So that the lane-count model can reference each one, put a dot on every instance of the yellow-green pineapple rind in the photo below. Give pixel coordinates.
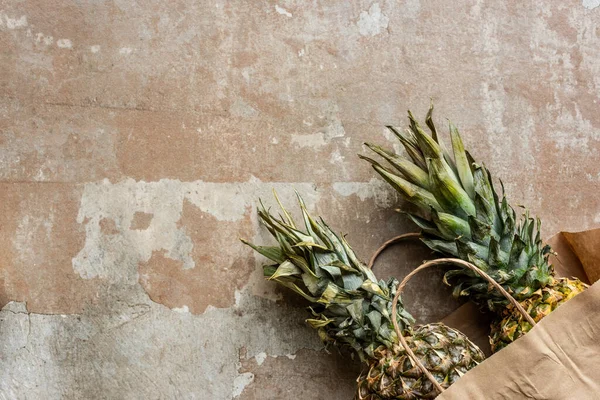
(510, 325)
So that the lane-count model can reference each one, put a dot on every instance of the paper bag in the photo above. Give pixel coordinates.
(560, 357)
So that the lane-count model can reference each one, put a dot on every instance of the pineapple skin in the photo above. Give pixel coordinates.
(510, 324)
(461, 215)
(351, 308)
(445, 352)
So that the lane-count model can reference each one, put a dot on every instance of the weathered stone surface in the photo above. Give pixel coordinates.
(312, 373)
(39, 235)
(136, 138)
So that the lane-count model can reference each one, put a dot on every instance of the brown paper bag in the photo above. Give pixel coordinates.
(560, 357)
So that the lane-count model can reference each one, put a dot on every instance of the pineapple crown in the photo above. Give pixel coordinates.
(349, 305)
(460, 214)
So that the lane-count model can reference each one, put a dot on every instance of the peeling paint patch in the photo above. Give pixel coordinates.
(125, 51)
(335, 129)
(183, 310)
(283, 11)
(336, 157)
(13, 23)
(242, 109)
(332, 128)
(574, 132)
(115, 258)
(312, 140)
(41, 38)
(108, 227)
(216, 276)
(260, 358)
(166, 235)
(64, 43)
(412, 8)
(240, 382)
(375, 189)
(95, 48)
(141, 220)
(372, 22)
(16, 307)
(591, 4)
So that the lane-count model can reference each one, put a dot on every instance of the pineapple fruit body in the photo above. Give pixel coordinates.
(509, 325)
(454, 202)
(351, 308)
(445, 352)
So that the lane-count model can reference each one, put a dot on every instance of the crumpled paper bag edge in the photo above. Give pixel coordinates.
(578, 255)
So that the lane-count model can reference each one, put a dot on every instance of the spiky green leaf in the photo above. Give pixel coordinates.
(462, 163)
(410, 171)
(273, 253)
(412, 193)
(448, 192)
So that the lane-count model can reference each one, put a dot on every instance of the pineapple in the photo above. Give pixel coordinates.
(460, 214)
(351, 308)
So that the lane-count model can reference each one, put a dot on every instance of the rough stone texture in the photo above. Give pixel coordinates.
(136, 137)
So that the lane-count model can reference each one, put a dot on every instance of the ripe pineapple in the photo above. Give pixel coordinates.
(351, 308)
(460, 214)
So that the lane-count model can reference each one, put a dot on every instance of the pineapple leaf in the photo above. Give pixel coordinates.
(412, 172)
(312, 284)
(335, 242)
(288, 217)
(286, 268)
(273, 253)
(301, 263)
(424, 225)
(311, 226)
(429, 121)
(480, 230)
(334, 272)
(296, 289)
(448, 192)
(269, 270)
(356, 262)
(426, 144)
(374, 288)
(438, 139)
(441, 246)
(319, 323)
(412, 193)
(462, 163)
(450, 226)
(311, 245)
(344, 267)
(484, 188)
(333, 294)
(352, 281)
(375, 317)
(411, 146)
(355, 309)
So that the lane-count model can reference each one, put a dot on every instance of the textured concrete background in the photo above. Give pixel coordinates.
(135, 138)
